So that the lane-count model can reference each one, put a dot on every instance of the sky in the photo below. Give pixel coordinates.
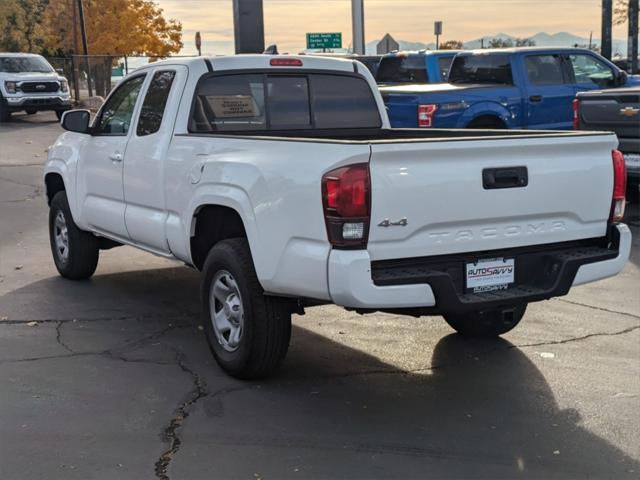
(287, 21)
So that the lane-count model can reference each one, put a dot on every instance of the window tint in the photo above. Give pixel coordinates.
(288, 102)
(444, 64)
(588, 69)
(230, 102)
(154, 103)
(481, 68)
(402, 69)
(343, 102)
(544, 69)
(116, 114)
(241, 103)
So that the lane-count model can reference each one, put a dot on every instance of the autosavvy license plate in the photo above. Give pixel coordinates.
(490, 274)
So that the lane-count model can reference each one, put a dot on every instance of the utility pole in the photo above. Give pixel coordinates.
(632, 50)
(85, 49)
(248, 26)
(607, 20)
(357, 23)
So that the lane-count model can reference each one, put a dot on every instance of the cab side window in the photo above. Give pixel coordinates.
(544, 69)
(155, 102)
(115, 116)
(588, 69)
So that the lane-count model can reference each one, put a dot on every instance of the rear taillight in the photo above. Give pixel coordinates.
(576, 114)
(619, 187)
(425, 115)
(346, 198)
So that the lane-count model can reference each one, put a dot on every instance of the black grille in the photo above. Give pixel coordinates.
(40, 87)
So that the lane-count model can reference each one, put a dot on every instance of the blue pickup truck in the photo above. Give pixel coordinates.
(423, 66)
(528, 87)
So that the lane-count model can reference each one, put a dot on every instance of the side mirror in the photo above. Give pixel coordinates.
(76, 121)
(622, 78)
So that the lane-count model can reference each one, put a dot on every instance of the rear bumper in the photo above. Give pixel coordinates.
(435, 285)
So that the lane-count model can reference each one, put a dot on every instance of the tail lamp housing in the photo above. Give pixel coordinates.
(425, 115)
(346, 200)
(576, 114)
(618, 201)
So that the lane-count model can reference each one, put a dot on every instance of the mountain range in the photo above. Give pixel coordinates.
(542, 39)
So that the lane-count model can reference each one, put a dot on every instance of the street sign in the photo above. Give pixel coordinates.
(437, 28)
(324, 40)
(386, 45)
(198, 42)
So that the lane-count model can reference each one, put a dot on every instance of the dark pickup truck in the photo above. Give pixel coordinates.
(616, 110)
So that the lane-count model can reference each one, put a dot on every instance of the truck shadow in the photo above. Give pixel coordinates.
(478, 409)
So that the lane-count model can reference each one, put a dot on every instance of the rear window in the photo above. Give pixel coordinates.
(544, 69)
(481, 69)
(402, 69)
(260, 102)
(444, 64)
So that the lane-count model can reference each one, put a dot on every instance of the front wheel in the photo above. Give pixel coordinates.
(491, 323)
(248, 332)
(59, 114)
(75, 252)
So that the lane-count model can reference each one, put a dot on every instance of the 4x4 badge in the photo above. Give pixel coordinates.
(388, 223)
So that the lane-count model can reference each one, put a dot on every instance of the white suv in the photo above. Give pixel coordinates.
(29, 83)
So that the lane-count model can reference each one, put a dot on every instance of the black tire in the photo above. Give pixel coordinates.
(5, 114)
(31, 112)
(491, 323)
(266, 321)
(59, 114)
(487, 122)
(81, 259)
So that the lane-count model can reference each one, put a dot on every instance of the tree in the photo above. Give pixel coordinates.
(451, 45)
(500, 43)
(525, 42)
(11, 26)
(114, 27)
(33, 11)
(620, 12)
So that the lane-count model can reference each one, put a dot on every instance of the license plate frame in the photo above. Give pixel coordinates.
(489, 274)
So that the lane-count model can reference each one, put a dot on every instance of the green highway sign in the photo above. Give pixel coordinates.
(324, 40)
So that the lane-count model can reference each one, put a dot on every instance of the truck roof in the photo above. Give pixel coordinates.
(421, 52)
(263, 61)
(523, 50)
(18, 54)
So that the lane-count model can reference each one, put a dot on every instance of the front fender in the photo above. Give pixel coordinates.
(483, 109)
(62, 159)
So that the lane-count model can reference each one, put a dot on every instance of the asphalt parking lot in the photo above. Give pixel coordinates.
(112, 378)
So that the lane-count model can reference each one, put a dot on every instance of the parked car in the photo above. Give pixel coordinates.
(617, 111)
(530, 87)
(279, 178)
(29, 83)
(424, 66)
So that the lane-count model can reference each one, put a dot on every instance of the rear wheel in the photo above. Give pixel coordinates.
(487, 122)
(491, 323)
(31, 112)
(248, 332)
(75, 252)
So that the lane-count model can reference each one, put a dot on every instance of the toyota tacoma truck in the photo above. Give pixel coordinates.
(279, 178)
(29, 83)
(528, 87)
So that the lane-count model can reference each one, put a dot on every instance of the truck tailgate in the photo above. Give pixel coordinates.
(429, 198)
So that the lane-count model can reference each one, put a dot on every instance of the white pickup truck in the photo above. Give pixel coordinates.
(29, 83)
(280, 179)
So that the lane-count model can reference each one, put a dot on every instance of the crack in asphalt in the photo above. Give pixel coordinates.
(579, 339)
(18, 321)
(170, 433)
(602, 309)
(59, 339)
(16, 182)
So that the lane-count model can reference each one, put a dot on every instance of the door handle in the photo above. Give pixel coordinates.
(510, 177)
(116, 157)
(535, 98)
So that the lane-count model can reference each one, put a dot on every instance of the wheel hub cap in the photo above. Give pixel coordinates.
(227, 313)
(61, 237)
